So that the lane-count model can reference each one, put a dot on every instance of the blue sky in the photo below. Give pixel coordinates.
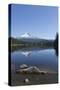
(39, 21)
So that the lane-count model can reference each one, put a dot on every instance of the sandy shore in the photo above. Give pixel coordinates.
(18, 79)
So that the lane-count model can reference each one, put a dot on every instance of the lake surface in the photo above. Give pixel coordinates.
(45, 59)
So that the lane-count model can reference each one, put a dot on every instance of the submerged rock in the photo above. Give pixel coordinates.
(43, 73)
(23, 66)
(30, 70)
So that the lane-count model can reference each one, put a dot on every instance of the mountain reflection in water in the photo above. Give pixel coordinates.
(28, 51)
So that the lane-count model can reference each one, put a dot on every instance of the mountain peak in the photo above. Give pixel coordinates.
(26, 35)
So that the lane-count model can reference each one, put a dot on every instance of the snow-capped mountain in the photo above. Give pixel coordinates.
(26, 35)
(27, 38)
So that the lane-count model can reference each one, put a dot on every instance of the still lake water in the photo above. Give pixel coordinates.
(45, 59)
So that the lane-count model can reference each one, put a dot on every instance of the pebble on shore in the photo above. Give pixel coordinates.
(26, 80)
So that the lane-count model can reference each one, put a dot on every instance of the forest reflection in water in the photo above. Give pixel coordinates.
(29, 49)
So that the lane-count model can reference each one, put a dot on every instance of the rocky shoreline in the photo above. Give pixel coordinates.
(25, 69)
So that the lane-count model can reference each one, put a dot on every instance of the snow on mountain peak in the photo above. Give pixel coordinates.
(26, 35)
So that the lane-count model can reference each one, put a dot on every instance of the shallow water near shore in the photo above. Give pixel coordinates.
(45, 60)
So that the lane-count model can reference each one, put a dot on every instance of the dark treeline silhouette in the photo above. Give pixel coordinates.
(16, 44)
(31, 42)
(56, 44)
